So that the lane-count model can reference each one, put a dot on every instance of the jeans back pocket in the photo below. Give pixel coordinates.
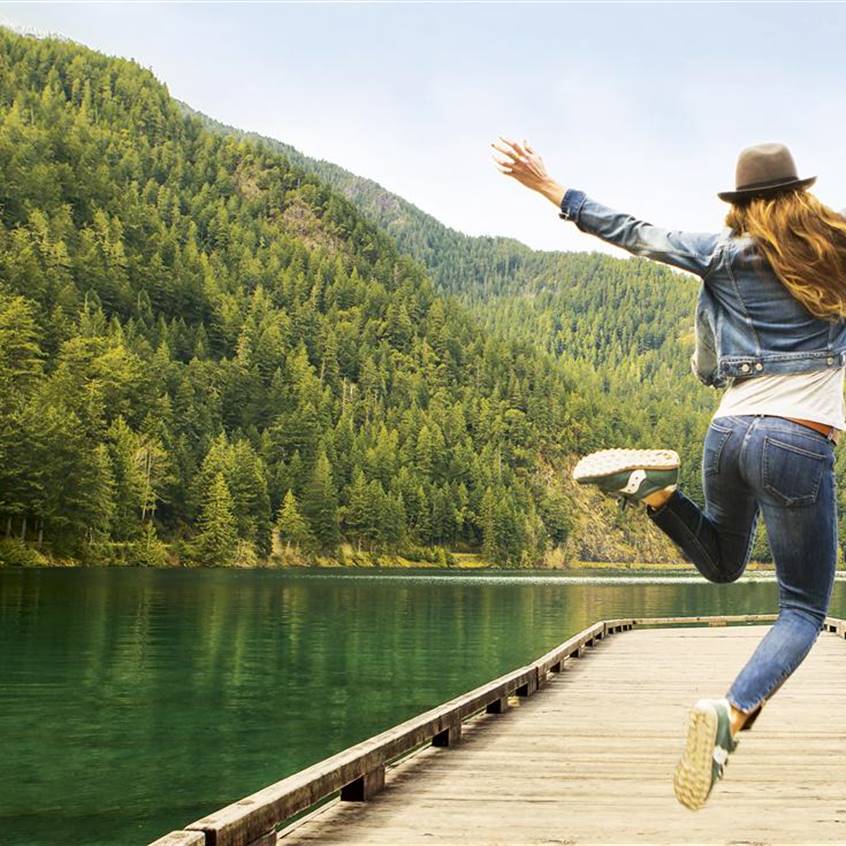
(792, 473)
(715, 440)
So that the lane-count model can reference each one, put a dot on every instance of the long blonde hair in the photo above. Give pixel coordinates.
(804, 242)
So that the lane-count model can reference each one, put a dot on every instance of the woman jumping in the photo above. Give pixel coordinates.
(770, 328)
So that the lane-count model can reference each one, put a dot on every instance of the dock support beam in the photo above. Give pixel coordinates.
(498, 706)
(449, 736)
(365, 786)
(528, 688)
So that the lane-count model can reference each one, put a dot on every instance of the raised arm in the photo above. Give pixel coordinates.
(691, 251)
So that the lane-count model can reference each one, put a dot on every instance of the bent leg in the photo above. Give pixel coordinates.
(799, 506)
(719, 539)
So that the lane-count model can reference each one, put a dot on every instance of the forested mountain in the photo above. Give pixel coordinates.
(214, 350)
(622, 328)
(203, 344)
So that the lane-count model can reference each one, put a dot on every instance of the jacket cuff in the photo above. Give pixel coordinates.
(571, 205)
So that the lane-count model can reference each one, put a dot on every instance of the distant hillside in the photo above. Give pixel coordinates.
(207, 354)
(622, 329)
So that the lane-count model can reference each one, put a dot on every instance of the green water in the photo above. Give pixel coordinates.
(135, 701)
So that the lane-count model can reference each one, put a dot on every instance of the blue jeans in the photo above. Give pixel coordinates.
(751, 465)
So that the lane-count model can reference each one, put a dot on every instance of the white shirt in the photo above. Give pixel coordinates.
(816, 396)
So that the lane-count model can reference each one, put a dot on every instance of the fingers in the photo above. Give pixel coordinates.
(505, 151)
(505, 167)
(517, 163)
(514, 146)
(514, 150)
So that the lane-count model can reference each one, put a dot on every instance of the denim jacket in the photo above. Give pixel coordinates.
(747, 322)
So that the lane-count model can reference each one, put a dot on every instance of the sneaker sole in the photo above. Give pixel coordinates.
(608, 462)
(692, 779)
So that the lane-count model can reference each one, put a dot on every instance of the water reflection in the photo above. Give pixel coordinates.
(135, 701)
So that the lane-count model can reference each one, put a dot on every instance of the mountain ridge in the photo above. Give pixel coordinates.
(208, 355)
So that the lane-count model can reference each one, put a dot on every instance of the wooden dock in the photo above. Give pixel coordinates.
(578, 747)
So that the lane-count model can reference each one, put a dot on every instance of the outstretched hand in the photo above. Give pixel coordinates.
(527, 167)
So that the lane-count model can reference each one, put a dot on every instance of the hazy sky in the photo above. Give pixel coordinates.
(644, 106)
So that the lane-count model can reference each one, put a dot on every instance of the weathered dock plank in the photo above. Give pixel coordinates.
(181, 838)
(590, 760)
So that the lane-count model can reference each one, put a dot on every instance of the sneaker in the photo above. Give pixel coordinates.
(630, 474)
(709, 743)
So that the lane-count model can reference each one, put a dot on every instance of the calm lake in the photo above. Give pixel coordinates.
(135, 701)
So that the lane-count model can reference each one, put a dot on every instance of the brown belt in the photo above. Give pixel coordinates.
(829, 431)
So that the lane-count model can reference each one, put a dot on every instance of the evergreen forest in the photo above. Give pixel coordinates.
(216, 351)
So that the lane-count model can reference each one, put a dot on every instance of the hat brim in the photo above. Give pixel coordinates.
(769, 191)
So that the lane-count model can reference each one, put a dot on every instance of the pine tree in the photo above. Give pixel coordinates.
(320, 504)
(128, 480)
(358, 513)
(393, 521)
(291, 526)
(20, 353)
(94, 503)
(490, 547)
(148, 550)
(215, 545)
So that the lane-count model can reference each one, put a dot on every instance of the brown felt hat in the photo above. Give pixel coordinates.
(764, 170)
